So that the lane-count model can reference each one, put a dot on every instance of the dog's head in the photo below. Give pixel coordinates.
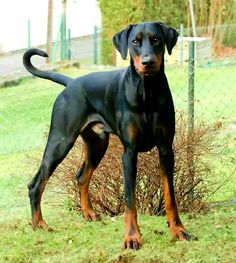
(146, 44)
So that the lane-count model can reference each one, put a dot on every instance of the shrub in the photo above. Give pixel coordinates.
(192, 169)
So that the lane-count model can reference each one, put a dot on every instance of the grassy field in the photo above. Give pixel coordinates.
(72, 240)
(24, 118)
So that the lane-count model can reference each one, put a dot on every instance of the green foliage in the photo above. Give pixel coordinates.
(113, 20)
(116, 15)
(217, 20)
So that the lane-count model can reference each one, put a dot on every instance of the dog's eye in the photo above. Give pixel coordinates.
(156, 40)
(136, 42)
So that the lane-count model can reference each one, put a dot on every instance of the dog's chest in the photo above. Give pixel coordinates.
(140, 129)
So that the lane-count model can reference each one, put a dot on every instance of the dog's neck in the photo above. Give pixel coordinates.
(143, 89)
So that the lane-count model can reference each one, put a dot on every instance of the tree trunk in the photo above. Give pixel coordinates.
(49, 29)
(212, 18)
(220, 33)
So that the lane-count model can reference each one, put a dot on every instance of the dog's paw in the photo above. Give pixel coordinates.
(179, 233)
(182, 235)
(132, 242)
(38, 224)
(89, 215)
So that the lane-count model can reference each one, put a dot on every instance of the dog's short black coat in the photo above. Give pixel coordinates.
(134, 103)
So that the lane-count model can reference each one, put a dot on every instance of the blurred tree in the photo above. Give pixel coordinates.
(117, 14)
(49, 29)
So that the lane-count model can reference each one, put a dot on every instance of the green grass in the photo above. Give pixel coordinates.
(73, 240)
(25, 110)
(24, 118)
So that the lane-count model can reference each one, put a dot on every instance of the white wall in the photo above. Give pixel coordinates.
(82, 15)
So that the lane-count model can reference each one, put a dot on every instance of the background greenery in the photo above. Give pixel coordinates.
(212, 19)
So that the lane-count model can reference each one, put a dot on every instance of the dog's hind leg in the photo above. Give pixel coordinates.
(95, 148)
(56, 150)
(65, 128)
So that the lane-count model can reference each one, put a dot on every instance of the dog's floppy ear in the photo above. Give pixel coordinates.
(120, 40)
(171, 36)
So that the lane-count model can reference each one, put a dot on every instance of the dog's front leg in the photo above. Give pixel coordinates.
(132, 235)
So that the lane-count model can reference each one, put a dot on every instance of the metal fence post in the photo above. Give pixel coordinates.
(55, 47)
(69, 45)
(63, 37)
(95, 53)
(29, 33)
(191, 85)
(181, 44)
(190, 149)
(63, 31)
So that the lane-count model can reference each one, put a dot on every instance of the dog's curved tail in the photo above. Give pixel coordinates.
(56, 77)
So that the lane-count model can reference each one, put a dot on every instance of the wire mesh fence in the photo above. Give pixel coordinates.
(206, 91)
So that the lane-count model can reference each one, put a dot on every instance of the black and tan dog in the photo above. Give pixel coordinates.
(135, 104)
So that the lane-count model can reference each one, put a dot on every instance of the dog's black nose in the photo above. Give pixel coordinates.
(147, 61)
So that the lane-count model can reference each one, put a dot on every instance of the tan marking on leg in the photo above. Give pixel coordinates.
(174, 222)
(86, 206)
(132, 234)
(132, 132)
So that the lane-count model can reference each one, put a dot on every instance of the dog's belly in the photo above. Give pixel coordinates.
(145, 147)
(145, 141)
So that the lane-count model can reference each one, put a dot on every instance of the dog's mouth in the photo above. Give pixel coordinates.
(147, 71)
